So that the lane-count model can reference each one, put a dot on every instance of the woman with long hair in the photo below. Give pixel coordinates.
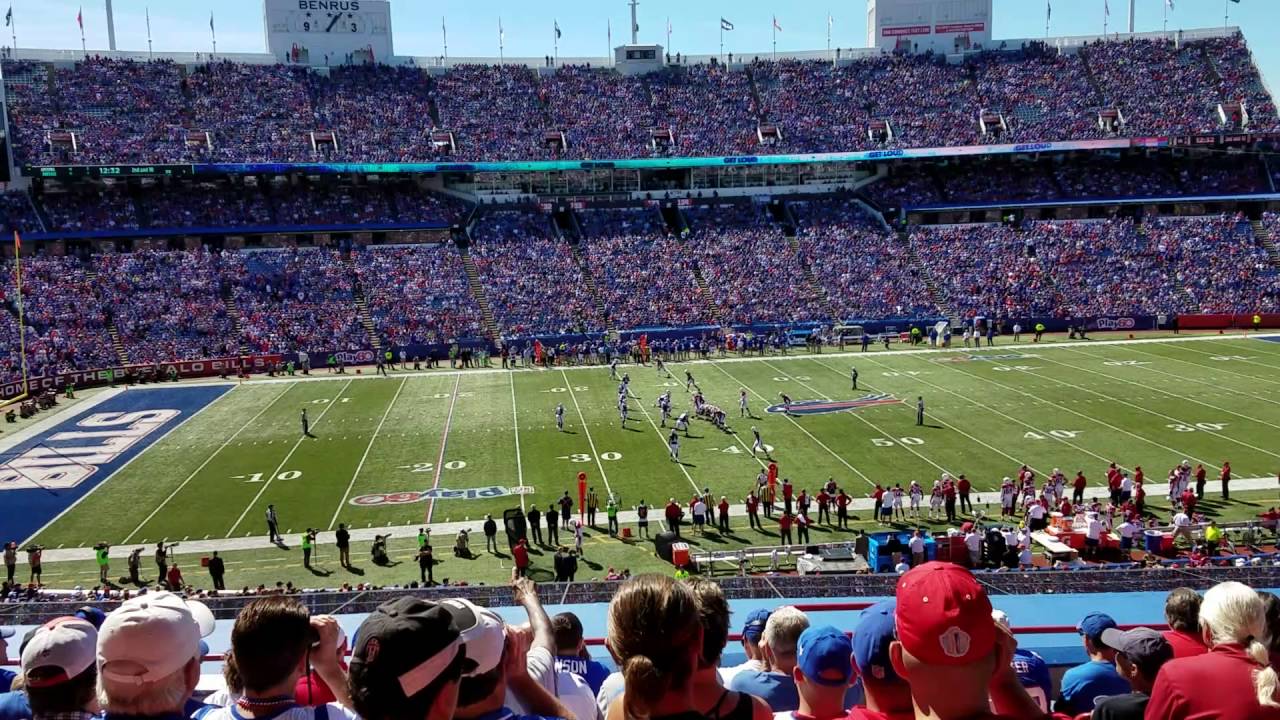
(1235, 679)
(655, 637)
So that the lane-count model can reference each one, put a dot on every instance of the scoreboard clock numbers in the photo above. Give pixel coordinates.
(318, 31)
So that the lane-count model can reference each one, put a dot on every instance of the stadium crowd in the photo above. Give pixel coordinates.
(156, 112)
(938, 650)
(752, 271)
(533, 282)
(864, 270)
(986, 270)
(418, 294)
(643, 277)
(269, 204)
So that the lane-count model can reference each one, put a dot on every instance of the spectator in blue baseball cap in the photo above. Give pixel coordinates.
(752, 631)
(1097, 677)
(888, 697)
(823, 673)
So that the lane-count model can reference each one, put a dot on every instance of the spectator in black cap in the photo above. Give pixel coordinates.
(408, 663)
(1140, 653)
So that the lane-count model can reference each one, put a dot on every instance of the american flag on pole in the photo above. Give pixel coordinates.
(776, 26)
(80, 18)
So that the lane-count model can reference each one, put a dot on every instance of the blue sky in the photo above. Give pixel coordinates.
(183, 25)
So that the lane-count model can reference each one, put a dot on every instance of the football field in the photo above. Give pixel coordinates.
(444, 447)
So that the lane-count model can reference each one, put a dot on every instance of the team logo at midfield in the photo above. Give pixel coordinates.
(822, 407)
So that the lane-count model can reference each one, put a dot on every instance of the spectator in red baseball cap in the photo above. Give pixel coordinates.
(950, 651)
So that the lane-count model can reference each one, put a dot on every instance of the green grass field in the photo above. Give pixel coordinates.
(1052, 405)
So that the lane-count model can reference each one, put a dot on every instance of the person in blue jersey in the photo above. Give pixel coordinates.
(571, 651)
(1095, 678)
(1032, 670)
(272, 641)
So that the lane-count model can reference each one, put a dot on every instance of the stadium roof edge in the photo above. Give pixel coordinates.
(1066, 42)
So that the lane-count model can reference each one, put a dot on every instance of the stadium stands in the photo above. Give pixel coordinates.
(167, 305)
(418, 294)
(752, 271)
(153, 112)
(865, 270)
(533, 281)
(644, 278)
(295, 299)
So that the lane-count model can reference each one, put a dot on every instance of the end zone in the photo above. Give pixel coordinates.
(45, 475)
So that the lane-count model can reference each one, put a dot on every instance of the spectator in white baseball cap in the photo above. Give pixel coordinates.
(59, 671)
(149, 655)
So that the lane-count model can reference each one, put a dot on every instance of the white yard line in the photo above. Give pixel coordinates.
(1268, 353)
(515, 421)
(444, 443)
(1149, 411)
(204, 464)
(1090, 418)
(280, 467)
(1215, 386)
(1216, 368)
(120, 469)
(802, 429)
(582, 418)
(346, 495)
(1002, 414)
(663, 439)
(1183, 378)
(870, 424)
(953, 427)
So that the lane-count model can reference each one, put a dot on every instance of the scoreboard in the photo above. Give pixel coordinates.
(942, 26)
(308, 31)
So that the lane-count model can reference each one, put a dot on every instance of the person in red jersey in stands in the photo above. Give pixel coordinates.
(1182, 613)
(1234, 680)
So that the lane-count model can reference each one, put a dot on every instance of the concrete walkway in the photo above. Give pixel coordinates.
(445, 532)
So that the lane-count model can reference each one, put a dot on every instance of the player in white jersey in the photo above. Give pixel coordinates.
(743, 410)
(673, 444)
(560, 417)
(899, 502)
(1008, 497)
(917, 495)
(935, 501)
(682, 423)
(622, 409)
(762, 479)
(758, 445)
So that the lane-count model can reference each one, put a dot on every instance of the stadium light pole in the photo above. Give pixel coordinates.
(111, 28)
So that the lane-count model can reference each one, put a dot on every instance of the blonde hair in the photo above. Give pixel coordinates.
(782, 631)
(654, 632)
(1232, 612)
(166, 695)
